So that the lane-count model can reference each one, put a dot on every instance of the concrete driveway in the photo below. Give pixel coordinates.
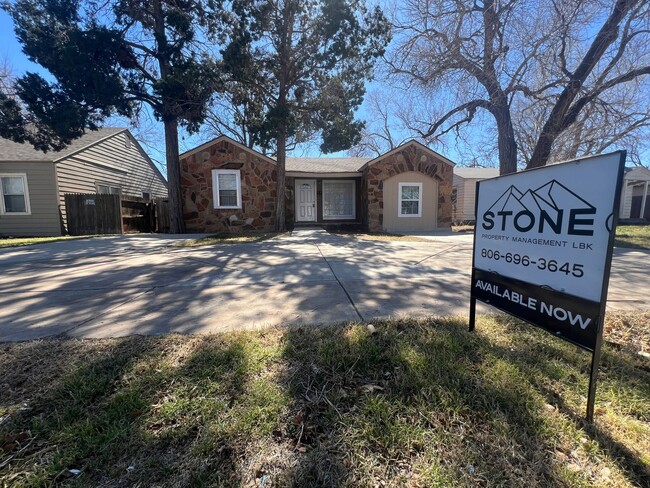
(116, 286)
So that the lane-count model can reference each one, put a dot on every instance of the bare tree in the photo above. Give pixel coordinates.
(7, 78)
(496, 55)
(387, 126)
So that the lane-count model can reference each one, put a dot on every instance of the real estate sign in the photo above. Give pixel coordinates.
(543, 244)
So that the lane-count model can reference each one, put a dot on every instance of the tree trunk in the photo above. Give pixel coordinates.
(280, 204)
(506, 139)
(177, 225)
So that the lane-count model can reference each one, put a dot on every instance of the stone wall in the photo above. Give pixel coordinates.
(411, 158)
(258, 182)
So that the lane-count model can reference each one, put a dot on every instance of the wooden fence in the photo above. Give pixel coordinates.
(91, 214)
(162, 215)
(138, 214)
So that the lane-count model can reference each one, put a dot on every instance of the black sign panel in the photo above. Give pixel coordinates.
(571, 318)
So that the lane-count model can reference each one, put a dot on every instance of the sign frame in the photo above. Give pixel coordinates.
(600, 318)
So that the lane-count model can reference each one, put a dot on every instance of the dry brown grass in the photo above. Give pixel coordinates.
(410, 403)
(629, 329)
(380, 236)
(226, 238)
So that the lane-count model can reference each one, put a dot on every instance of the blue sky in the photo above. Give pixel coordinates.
(149, 131)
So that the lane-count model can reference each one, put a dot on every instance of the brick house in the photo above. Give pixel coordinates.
(228, 187)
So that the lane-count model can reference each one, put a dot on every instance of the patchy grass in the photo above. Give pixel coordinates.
(629, 329)
(416, 403)
(465, 229)
(634, 236)
(226, 238)
(29, 241)
(380, 236)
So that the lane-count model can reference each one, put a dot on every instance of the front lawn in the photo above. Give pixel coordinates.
(28, 241)
(408, 403)
(380, 236)
(634, 236)
(227, 238)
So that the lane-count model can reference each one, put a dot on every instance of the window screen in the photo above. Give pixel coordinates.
(410, 199)
(338, 199)
(13, 194)
(227, 188)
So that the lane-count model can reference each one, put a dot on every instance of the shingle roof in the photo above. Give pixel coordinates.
(325, 165)
(476, 173)
(13, 151)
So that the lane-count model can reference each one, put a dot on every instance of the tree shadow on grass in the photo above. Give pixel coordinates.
(433, 405)
(129, 415)
(415, 403)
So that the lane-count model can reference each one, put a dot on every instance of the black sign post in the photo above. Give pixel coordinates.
(518, 234)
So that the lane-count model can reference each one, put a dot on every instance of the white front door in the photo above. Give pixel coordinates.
(305, 200)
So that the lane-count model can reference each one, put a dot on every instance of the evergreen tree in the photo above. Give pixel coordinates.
(112, 58)
(306, 62)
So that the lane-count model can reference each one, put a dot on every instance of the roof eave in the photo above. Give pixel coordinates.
(324, 174)
(94, 143)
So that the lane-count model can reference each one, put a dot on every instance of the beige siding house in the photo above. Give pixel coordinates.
(33, 184)
(464, 191)
(635, 194)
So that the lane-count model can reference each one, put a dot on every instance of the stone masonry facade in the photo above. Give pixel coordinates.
(411, 158)
(258, 186)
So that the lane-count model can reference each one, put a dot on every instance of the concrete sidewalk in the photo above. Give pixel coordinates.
(144, 285)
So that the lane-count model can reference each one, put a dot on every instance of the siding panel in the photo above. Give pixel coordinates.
(41, 184)
(109, 162)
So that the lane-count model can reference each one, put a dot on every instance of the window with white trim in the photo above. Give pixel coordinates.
(410, 200)
(338, 199)
(15, 195)
(108, 189)
(226, 188)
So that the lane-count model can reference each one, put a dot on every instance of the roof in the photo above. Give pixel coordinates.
(476, 173)
(14, 151)
(317, 165)
(325, 165)
(637, 173)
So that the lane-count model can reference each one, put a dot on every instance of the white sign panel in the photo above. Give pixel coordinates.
(550, 227)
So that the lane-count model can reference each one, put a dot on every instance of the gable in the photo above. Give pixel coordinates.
(413, 146)
(210, 146)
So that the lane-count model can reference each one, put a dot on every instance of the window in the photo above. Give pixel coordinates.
(15, 197)
(105, 189)
(226, 188)
(410, 200)
(338, 199)
(146, 195)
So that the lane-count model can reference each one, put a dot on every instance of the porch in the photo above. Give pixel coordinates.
(330, 203)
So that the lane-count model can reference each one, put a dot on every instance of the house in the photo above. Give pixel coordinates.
(228, 187)
(33, 183)
(464, 191)
(635, 194)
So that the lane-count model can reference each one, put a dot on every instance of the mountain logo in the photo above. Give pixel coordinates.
(551, 207)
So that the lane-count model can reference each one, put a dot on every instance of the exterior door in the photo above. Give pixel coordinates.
(305, 200)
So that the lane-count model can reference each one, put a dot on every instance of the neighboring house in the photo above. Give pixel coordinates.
(464, 191)
(33, 183)
(635, 194)
(228, 187)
